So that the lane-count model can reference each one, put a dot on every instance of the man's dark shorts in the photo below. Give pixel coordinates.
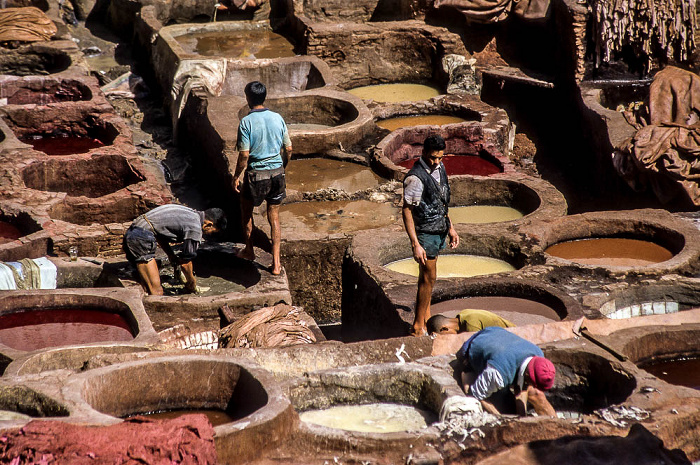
(269, 185)
(432, 243)
(139, 244)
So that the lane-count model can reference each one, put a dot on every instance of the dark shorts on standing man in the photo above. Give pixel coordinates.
(268, 185)
(139, 244)
(432, 243)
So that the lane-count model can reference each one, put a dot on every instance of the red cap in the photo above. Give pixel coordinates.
(541, 373)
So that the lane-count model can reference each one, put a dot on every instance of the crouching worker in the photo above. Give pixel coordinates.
(468, 320)
(494, 361)
(166, 225)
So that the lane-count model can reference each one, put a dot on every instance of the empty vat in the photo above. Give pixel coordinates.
(42, 91)
(651, 298)
(260, 416)
(94, 177)
(33, 60)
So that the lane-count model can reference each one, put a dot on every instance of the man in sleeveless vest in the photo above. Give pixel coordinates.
(426, 196)
(494, 361)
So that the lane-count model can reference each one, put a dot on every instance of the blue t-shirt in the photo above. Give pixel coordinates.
(263, 133)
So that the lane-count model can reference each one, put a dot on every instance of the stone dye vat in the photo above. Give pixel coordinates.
(467, 150)
(39, 58)
(378, 302)
(521, 301)
(478, 200)
(21, 235)
(398, 122)
(94, 177)
(224, 279)
(250, 44)
(673, 295)
(34, 320)
(43, 91)
(454, 266)
(653, 240)
(335, 217)
(313, 174)
(21, 403)
(379, 402)
(260, 415)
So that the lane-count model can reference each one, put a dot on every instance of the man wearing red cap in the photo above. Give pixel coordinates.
(494, 360)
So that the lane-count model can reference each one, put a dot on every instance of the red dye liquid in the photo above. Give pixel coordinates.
(8, 232)
(62, 144)
(215, 417)
(39, 329)
(463, 164)
(684, 372)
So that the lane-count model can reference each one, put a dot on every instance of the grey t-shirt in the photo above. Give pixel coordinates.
(175, 223)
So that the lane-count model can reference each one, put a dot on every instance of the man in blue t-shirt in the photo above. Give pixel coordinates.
(262, 139)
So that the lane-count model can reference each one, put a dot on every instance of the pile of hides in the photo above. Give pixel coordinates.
(276, 326)
(27, 24)
(492, 11)
(648, 26)
(664, 153)
(28, 273)
(188, 439)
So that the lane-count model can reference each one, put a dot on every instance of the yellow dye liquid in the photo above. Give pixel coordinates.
(455, 266)
(392, 124)
(476, 214)
(370, 418)
(396, 92)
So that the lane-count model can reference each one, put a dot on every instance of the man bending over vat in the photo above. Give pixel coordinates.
(494, 361)
(264, 147)
(426, 194)
(468, 320)
(166, 225)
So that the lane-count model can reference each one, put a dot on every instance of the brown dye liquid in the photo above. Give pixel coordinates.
(215, 417)
(610, 252)
(39, 329)
(392, 124)
(685, 372)
(63, 144)
(514, 309)
(253, 44)
(341, 216)
(396, 92)
(8, 232)
(312, 174)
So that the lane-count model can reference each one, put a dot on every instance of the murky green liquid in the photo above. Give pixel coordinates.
(253, 44)
(371, 418)
(455, 266)
(477, 214)
(393, 124)
(396, 92)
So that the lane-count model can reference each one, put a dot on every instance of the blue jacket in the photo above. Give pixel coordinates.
(501, 349)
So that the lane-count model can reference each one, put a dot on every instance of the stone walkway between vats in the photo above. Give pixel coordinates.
(449, 344)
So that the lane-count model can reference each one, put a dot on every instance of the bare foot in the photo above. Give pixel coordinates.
(276, 270)
(417, 332)
(246, 254)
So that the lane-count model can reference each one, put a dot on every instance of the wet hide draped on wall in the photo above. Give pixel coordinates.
(664, 153)
(492, 11)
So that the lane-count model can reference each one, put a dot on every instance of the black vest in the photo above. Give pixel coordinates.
(430, 215)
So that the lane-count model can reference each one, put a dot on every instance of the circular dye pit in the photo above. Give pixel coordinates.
(681, 372)
(246, 44)
(398, 122)
(9, 232)
(455, 266)
(338, 216)
(215, 417)
(463, 164)
(92, 178)
(608, 251)
(43, 91)
(517, 310)
(312, 174)
(62, 144)
(371, 418)
(480, 214)
(398, 92)
(39, 329)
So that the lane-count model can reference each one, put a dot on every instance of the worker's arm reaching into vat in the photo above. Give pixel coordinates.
(262, 140)
(426, 196)
(166, 225)
(495, 360)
